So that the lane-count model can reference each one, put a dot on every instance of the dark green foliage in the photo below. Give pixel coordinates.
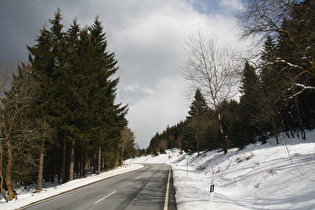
(162, 150)
(198, 106)
(233, 124)
(77, 95)
(249, 111)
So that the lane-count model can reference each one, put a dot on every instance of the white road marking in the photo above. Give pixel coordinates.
(137, 178)
(167, 189)
(104, 197)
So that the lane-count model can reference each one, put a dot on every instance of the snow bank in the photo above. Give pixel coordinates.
(265, 176)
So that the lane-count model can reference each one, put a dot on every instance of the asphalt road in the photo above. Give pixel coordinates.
(145, 188)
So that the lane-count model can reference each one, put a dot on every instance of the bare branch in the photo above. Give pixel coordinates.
(211, 67)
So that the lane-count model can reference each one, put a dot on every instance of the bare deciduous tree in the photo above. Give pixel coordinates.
(19, 134)
(5, 79)
(137, 147)
(266, 18)
(214, 69)
(127, 138)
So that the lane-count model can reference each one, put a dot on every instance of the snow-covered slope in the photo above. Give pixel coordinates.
(265, 176)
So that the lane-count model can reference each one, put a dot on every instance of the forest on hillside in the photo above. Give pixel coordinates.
(277, 86)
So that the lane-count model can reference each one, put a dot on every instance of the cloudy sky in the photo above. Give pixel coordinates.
(148, 39)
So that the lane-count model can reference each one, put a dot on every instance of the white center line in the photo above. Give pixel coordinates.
(137, 178)
(104, 197)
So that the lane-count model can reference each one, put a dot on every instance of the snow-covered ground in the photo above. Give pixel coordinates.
(265, 176)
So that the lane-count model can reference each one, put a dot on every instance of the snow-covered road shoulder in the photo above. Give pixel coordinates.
(25, 198)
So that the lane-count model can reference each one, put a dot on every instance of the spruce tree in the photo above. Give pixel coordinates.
(274, 84)
(198, 122)
(48, 60)
(109, 118)
(249, 101)
(199, 105)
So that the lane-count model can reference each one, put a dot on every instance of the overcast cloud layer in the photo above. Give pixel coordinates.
(147, 37)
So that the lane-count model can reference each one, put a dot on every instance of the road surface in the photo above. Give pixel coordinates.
(150, 187)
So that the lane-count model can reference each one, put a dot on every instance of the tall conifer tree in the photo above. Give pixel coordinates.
(199, 105)
(48, 60)
(198, 121)
(249, 101)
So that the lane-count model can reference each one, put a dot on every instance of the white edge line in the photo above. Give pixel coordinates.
(137, 178)
(104, 197)
(167, 189)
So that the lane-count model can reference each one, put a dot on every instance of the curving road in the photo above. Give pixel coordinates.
(150, 187)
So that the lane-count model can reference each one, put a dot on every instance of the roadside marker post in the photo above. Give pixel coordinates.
(187, 157)
(211, 190)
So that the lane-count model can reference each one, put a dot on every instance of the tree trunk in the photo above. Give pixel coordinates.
(300, 120)
(122, 154)
(99, 160)
(72, 160)
(40, 171)
(94, 162)
(274, 124)
(103, 163)
(53, 166)
(4, 195)
(1, 176)
(8, 170)
(85, 167)
(276, 136)
(198, 146)
(117, 159)
(223, 139)
(64, 156)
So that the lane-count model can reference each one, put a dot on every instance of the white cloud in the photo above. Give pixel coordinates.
(234, 5)
(156, 111)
